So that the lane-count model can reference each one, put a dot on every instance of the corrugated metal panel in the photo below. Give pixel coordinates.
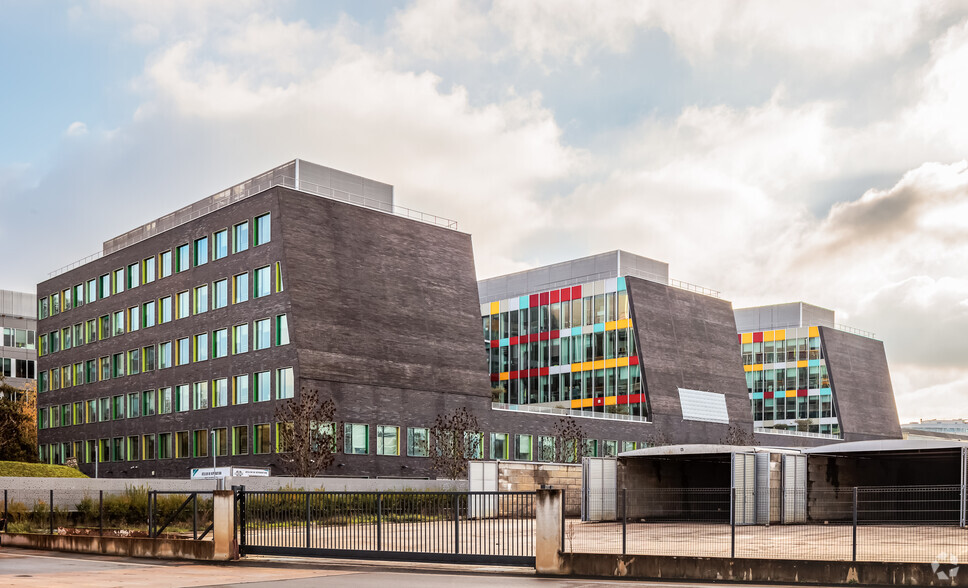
(598, 477)
(744, 485)
(482, 476)
(698, 405)
(762, 488)
(794, 489)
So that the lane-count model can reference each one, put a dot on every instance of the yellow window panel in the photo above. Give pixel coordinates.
(747, 368)
(801, 364)
(611, 325)
(814, 332)
(757, 367)
(791, 393)
(495, 307)
(621, 362)
(747, 337)
(623, 324)
(611, 400)
(599, 365)
(576, 367)
(609, 363)
(504, 375)
(767, 336)
(780, 335)
(576, 403)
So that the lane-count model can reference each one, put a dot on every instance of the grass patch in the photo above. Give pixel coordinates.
(19, 469)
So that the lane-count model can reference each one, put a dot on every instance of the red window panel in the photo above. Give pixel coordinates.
(739, 338)
(543, 371)
(767, 395)
(533, 372)
(494, 343)
(575, 292)
(599, 402)
(544, 336)
(757, 337)
(634, 360)
(533, 300)
(544, 298)
(513, 375)
(514, 340)
(554, 334)
(635, 398)
(554, 296)
(801, 393)
(495, 377)
(566, 294)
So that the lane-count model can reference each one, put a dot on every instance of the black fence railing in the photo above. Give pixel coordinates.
(135, 511)
(482, 527)
(897, 524)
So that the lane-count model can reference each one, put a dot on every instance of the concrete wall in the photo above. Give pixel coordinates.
(530, 476)
(120, 546)
(861, 382)
(687, 340)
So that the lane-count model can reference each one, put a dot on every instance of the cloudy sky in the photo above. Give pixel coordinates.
(774, 151)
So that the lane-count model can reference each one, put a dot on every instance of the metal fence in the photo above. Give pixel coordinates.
(896, 524)
(133, 512)
(479, 527)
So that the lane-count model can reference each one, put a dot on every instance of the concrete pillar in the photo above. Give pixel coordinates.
(226, 547)
(547, 533)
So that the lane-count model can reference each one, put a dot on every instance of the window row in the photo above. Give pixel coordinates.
(794, 408)
(178, 259)
(590, 384)
(565, 350)
(17, 368)
(19, 338)
(170, 399)
(258, 439)
(148, 314)
(813, 377)
(200, 347)
(587, 311)
(801, 349)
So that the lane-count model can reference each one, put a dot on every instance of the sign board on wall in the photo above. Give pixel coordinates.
(228, 472)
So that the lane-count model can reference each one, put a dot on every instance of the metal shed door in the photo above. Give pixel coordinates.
(598, 494)
(763, 495)
(482, 476)
(744, 484)
(794, 489)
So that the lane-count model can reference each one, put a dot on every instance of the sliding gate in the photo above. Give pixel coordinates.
(466, 527)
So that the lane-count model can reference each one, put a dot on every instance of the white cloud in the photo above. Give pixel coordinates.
(76, 129)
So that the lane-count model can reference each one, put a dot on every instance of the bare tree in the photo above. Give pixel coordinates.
(455, 438)
(736, 435)
(657, 439)
(308, 433)
(569, 441)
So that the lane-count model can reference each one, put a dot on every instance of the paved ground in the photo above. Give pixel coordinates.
(21, 567)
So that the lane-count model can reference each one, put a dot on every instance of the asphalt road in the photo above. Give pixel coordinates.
(28, 568)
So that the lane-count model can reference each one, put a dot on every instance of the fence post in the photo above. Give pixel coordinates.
(379, 521)
(564, 507)
(308, 517)
(51, 512)
(732, 523)
(548, 559)
(456, 523)
(241, 521)
(624, 519)
(6, 514)
(854, 541)
(195, 516)
(100, 513)
(151, 514)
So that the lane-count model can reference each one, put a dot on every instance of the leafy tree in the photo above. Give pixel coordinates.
(308, 435)
(569, 441)
(18, 423)
(455, 438)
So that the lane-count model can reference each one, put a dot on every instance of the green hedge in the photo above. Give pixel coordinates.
(19, 469)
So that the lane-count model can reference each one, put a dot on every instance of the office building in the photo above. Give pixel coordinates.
(18, 327)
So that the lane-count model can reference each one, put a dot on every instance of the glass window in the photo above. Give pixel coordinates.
(240, 339)
(473, 445)
(523, 450)
(356, 439)
(278, 277)
(262, 279)
(221, 248)
(261, 439)
(91, 294)
(134, 275)
(134, 318)
(148, 358)
(149, 314)
(182, 400)
(221, 442)
(240, 389)
(134, 405)
(117, 407)
(182, 306)
(117, 365)
(499, 446)
(285, 383)
(201, 347)
(182, 259)
(104, 286)
(164, 355)
(164, 312)
(240, 240)
(262, 391)
(165, 401)
(546, 448)
(183, 349)
(201, 299)
(78, 295)
(148, 267)
(262, 230)
(200, 395)
(182, 448)
(148, 402)
(118, 321)
(148, 447)
(282, 330)
(418, 442)
(118, 281)
(164, 445)
(240, 288)
(165, 264)
(201, 251)
(262, 335)
(221, 294)
(220, 392)
(387, 440)
(134, 362)
(240, 440)
(220, 343)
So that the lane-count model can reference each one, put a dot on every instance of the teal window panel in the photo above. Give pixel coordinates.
(523, 301)
(621, 283)
(575, 331)
(505, 342)
(757, 396)
(826, 391)
(600, 328)
(813, 363)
